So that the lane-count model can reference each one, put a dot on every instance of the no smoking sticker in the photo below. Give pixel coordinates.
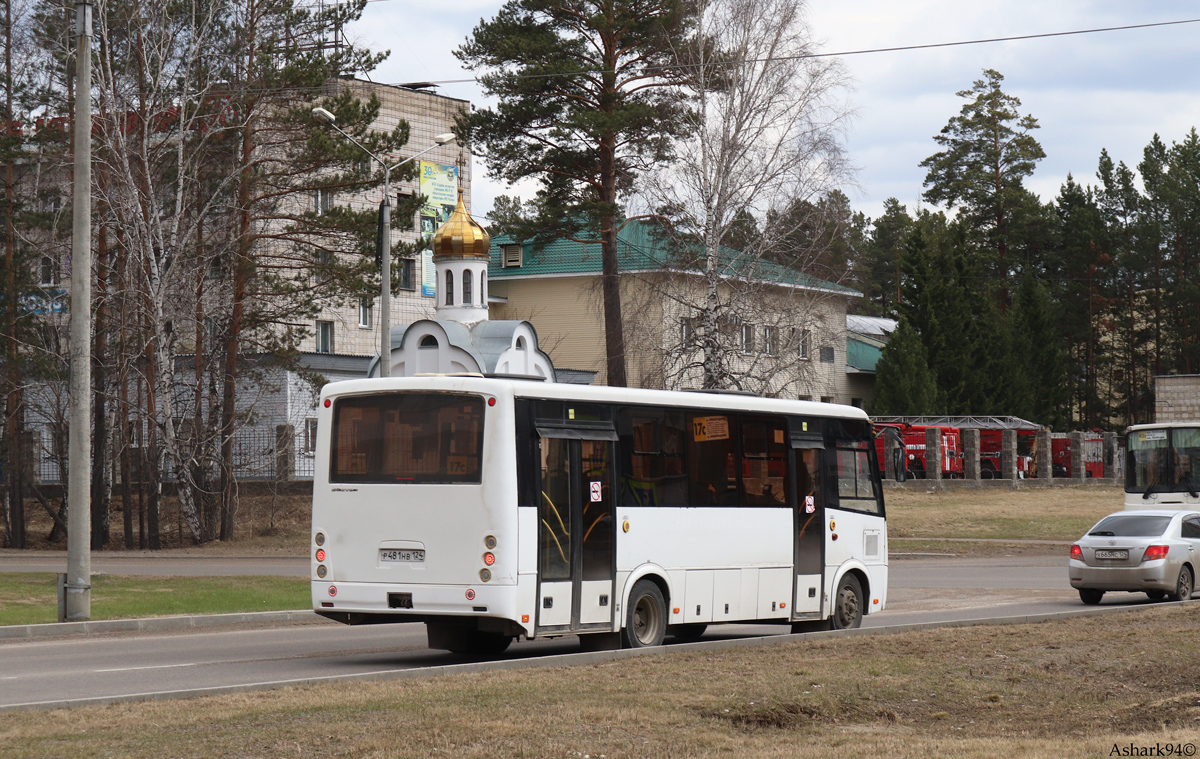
(810, 504)
(595, 491)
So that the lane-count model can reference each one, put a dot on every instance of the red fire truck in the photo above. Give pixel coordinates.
(913, 437)
(991, 435)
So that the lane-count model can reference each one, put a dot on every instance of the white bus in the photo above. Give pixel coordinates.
(496, 508)
(1162, 468)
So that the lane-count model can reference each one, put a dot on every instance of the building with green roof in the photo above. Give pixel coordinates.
(782, 331)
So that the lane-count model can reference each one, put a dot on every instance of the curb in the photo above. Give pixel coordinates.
(92, 627)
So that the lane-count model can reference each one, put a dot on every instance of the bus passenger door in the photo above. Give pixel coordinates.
(810, 533)
(576, 557)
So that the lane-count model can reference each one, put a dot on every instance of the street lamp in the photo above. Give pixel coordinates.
(324, 116)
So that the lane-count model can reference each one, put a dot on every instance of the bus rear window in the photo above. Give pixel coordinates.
(407, 438)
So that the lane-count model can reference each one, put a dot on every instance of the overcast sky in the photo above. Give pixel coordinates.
(1109, 90)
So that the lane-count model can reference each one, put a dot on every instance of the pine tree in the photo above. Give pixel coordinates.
(989, 149)
(904, 385)
(880, 273)
(588, 98)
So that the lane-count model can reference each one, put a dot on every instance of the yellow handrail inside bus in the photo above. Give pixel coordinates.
(550, 530)
(555, 508)
(589, 530)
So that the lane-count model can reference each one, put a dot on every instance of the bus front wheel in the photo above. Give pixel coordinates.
(646, 617)
(847, 604)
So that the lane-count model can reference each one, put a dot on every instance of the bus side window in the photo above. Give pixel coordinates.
(764, 462)
(652, 464)
(712, 460)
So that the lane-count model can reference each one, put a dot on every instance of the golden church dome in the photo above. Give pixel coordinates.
(461, 236)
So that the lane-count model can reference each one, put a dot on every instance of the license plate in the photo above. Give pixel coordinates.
(402, 554)
(1121, 554)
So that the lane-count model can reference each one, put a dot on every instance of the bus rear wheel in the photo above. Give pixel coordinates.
(847, 604)
(646, 617)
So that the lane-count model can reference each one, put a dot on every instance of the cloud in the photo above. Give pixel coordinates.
(1113, 89)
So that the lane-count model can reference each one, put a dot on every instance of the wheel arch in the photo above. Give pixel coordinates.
(859, 570)
(655, 574)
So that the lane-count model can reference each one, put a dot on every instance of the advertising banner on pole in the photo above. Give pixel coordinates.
(439, 185)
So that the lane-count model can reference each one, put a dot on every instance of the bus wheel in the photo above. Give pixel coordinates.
(646, 617)
(688, 632)
(847, 604)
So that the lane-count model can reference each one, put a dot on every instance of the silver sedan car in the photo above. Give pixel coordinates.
(1156, 552)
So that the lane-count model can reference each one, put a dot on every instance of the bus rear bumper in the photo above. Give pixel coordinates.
(373, 602)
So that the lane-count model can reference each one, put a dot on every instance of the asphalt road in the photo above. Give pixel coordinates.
(78, 669)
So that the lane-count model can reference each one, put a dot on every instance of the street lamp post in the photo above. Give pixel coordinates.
(324, 116)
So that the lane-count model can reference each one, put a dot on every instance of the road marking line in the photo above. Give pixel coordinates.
(156, 666)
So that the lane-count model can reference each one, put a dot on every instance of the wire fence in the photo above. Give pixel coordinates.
(258, 455)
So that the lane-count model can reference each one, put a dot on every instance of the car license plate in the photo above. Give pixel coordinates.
(402, 554)
(1104, 554)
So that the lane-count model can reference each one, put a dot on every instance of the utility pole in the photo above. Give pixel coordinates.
(78, 601)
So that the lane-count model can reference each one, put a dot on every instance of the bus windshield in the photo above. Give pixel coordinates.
(407, 438)
(1163, 460)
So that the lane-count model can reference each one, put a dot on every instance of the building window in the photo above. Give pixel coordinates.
(449, 288)
(310, 435)
(408, 268)
(805, 398)
(483, 288)
(46, 271)
(467, 299)
(324, 337)
(827, 355)
(826, 399)
(322, 201)
(511, 255)
(747, 338)
(364, 313)
(856, 402)
(804, 344)
(770, 341)
(687, 331)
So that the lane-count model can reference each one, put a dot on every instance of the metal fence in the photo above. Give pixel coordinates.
(258, 455)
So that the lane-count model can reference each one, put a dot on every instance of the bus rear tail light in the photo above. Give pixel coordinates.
(319, 539)
(322, 571)
(489, 558)
(320, 554)
(485, 575)
(1155, 552)
(1076, 552)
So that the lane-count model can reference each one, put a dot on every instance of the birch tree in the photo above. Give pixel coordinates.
(761, 147)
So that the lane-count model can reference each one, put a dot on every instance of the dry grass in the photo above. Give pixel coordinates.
(1066, 688)
(1041, 514)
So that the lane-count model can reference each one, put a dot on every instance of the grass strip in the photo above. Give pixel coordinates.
(1044, 514)
(31, 598)
(1074, 687)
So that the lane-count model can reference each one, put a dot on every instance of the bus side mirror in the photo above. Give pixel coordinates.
(900, 464)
